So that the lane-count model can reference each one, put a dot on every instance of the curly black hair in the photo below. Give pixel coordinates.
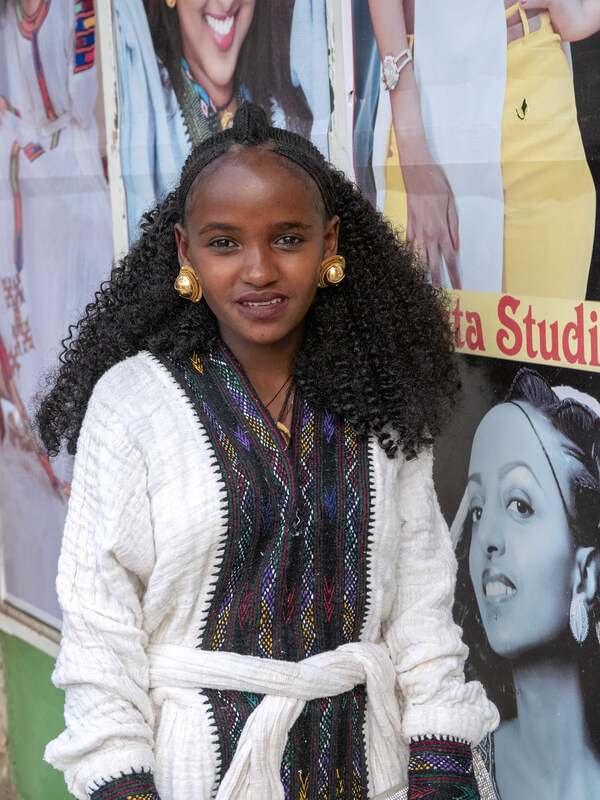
(581, 427)
(378, 348)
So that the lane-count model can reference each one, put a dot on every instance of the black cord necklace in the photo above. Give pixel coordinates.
(278, 392)
(224, 106)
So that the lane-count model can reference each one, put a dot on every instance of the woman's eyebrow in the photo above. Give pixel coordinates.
(217, 226)
(515, 465)
(475, 477)
(291, 224)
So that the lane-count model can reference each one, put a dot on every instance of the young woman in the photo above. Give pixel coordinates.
(529, 588)
(256, 580)
(184, 67)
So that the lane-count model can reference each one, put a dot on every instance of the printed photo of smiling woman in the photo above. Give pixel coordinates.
(185, 66)
(527, 590)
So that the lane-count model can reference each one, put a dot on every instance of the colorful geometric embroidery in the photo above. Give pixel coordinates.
(199, 111)
(85, 30)
(137, 786)
(29, 26)
(441, 769)
(232, 709)
(293, 577)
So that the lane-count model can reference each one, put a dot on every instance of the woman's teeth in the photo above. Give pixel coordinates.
(266, 303)
(220, 26)
(496, 588)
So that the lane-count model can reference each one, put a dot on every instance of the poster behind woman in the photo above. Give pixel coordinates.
(518, 475)
(476, 151)
(184, 66)
(480, 139)
(55, 248)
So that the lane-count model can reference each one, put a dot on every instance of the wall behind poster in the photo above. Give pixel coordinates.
(493, 175)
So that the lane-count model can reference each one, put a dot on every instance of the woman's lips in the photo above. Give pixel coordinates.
(496, 586)
(259, 306)
(222, 29)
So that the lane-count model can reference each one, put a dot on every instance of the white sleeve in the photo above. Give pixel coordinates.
(424, 641)
(106, 558)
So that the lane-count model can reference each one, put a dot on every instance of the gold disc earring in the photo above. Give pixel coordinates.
(332, 271)
(171, 3)
(187, 284)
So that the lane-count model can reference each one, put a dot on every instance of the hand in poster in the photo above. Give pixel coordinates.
(432, 223)
(572, 19)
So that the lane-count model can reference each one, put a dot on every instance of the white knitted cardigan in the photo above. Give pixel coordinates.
(141, 550)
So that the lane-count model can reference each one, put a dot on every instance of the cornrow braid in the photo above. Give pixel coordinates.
(251, 129)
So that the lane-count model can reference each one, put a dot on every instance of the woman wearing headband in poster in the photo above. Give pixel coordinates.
(184, 67)
(493, 172)
(528, 588)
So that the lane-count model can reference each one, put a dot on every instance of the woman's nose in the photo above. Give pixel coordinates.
(490, 534)
(223, 7)
(259, 268)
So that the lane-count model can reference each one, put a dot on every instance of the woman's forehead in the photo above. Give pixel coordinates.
(520, 433)
(261, 160)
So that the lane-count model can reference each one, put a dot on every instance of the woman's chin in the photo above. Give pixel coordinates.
(554, 648)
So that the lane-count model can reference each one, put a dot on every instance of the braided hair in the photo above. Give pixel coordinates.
(377, 349)
(581, 427)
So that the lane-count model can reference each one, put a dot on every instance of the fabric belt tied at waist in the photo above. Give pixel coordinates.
(254, 771)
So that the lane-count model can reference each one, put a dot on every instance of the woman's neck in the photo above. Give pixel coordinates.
(267, 367)
(548, 690)
(29, 6)
(218, 94)
(546, 750)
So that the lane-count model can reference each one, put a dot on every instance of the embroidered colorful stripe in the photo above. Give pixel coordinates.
(137, 786)
(85, 31)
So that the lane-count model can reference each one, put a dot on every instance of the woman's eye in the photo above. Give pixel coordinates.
(222, 243)
(521, 507)
(289, 240)
(476, 513)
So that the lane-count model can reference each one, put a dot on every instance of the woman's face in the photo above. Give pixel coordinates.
(522, 558)
(212, 33)
(257, 262)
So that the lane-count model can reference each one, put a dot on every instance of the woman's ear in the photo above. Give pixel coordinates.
(332, 230)
(182, 244)
(586, 572)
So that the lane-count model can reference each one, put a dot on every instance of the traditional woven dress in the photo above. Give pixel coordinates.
(248, 619)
